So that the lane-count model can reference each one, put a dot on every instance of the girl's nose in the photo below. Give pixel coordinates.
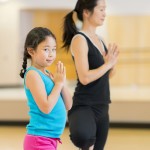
(50, 55)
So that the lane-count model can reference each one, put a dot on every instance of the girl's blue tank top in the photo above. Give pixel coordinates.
(48, 125)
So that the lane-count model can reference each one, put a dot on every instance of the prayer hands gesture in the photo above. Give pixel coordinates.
(111, 57)
(59, 76)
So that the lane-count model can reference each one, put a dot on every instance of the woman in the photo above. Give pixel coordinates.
(89, 118)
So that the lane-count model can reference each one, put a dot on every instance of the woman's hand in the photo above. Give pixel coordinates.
(111, 57)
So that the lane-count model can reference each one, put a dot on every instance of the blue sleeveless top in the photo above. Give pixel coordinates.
(48, 125)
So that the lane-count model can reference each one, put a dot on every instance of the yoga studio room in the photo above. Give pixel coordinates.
(60, 57)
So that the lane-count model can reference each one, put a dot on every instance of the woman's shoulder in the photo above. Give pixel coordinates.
(78, 42)
(79, 36)
(79, 39)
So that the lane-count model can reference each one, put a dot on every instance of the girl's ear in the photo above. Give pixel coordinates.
(30, 51)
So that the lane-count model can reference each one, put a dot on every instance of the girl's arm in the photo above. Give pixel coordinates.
(37, 88)
(65, 94)
(80, 51)
(67, 97)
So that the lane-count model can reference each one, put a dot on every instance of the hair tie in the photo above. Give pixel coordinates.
(23, 71)
(74, 10)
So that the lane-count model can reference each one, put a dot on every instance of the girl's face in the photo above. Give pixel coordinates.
(45, 53)
(98, 16)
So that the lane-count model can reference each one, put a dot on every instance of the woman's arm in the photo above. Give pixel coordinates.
(112, 72)
(80, 51)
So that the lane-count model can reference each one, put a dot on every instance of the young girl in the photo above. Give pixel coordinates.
(89, 117)
(47, 95)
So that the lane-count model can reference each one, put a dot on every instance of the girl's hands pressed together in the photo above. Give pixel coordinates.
(59, 77)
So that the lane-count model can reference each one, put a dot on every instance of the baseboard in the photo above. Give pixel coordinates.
(112, 125)
(129, 125)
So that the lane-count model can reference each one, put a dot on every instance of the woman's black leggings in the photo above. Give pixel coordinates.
(89, 126)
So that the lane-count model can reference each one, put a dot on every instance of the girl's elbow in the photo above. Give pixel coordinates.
(68, 106)
(46, 110)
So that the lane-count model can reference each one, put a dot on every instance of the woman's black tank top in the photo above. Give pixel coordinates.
(96, 92)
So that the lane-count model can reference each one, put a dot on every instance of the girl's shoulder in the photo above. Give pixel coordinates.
(31, 76)
(31, 70)
(34, 73)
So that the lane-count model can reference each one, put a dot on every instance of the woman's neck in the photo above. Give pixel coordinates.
(89, 30)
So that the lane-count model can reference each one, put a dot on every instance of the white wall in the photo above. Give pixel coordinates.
(113, 6)
(9, 40)
(10, 34)
(128, 7)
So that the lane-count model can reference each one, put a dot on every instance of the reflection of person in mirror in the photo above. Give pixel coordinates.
(94, 62)
(48, 97)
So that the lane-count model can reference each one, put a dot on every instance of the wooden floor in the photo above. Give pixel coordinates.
(11, 138)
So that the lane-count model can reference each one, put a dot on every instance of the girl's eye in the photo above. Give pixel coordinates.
(47, 50)
(53, 49)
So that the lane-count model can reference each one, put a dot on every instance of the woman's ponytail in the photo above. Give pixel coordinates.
(69, 29)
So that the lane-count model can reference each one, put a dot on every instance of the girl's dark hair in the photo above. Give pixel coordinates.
(33, 39)
(69, 27)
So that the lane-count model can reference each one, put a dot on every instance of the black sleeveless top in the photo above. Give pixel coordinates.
(96, 92)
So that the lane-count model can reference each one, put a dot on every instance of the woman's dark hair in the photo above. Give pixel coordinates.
(33, 39)
(69, 27)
